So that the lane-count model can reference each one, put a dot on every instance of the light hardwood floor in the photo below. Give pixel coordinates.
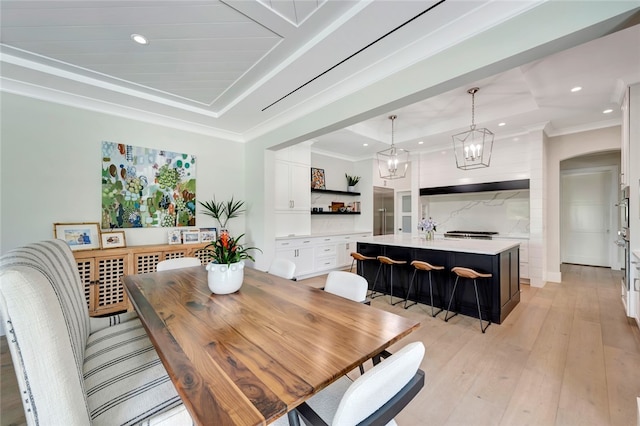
(567, 355)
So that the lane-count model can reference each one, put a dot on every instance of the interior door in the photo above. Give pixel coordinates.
(383, 211)
(404, 209)
(586, 204)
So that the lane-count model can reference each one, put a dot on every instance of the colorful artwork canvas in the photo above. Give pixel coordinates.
(144, 187)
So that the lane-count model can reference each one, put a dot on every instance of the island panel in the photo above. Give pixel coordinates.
(498, 294)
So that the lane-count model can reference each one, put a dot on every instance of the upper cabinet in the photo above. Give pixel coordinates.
(292, 187)
(292, 195)
(292, 177)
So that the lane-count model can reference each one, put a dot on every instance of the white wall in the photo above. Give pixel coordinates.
(51, 160)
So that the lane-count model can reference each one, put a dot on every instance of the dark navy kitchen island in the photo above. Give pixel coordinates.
(498, 294)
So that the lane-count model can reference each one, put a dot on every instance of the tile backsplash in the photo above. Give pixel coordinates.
(505, 212)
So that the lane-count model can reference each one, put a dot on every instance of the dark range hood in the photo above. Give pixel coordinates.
(507, 185)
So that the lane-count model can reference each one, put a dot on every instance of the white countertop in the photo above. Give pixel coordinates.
(323, 234)
(491, 247)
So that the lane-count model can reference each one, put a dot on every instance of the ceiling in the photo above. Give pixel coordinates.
(238, 69)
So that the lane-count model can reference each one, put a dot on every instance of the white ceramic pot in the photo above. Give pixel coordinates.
(225, 279)
(351, 188)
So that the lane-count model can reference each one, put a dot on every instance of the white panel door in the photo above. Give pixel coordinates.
(404, 207)
(586, 203)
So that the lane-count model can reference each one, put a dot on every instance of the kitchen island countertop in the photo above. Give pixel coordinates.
(462, 245)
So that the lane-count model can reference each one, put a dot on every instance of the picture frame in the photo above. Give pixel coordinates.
(190, 237)
(113, 239)
(79, 236)
(317, 178)
(174, 236)
(208, 235)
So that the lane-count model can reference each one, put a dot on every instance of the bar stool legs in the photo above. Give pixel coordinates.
(423, 266)
(384, 260)
(473, 275)
(358, 259)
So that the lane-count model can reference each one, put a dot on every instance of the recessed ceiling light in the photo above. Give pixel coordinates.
(502, 124)
(576, 89)
(607, 111)
(365, 144)
(516, 139)
(140, 39)
(420, 143)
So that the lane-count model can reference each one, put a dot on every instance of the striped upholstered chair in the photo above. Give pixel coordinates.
(73, 369)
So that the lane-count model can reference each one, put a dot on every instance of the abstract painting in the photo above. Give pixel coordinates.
(145, 187)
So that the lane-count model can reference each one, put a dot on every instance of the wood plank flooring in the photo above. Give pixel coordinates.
(567, 355)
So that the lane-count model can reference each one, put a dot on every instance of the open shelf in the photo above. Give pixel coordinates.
(331, 191)
(335, 212)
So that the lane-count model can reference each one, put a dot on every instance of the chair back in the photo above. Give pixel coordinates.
(371, 391)
(283, 268)
(347, 284)
(46, 320)
(177, 263)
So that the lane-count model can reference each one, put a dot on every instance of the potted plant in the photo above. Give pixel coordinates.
(352, 181)
(222, 211)
(226, 270)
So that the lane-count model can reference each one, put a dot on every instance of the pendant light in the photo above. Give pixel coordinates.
(393, 162)
(473, 147)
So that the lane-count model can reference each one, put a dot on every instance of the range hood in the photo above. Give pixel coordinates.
(507, 185)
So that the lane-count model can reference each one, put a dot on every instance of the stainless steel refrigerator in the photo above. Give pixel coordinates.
(383, 211)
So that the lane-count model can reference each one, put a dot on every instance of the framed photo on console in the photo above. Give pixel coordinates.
(208, 235)
(190, 237)
(174, 236)
(113, 239)
(79, 236)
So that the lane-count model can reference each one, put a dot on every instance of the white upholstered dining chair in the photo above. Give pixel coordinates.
(373, 398)
(177, 263)
(347, 284)
(283, 268)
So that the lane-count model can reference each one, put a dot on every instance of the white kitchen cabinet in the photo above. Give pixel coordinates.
(292, 192)
(524, 259)
(293, 188)
(320, 254)
(300, 252)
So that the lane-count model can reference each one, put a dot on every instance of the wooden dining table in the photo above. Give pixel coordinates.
(250, 357)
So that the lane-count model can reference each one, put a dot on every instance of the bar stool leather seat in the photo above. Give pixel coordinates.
(462, 272)
(385, 260)
(357, 257)
(420, 265)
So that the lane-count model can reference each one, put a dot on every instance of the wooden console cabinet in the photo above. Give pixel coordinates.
(101, 271)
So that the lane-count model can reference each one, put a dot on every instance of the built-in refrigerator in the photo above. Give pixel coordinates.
(383, 210)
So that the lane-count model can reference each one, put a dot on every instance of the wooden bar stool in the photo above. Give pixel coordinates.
(420, 265)
(357, 257)
(472, 275)
(387, 261)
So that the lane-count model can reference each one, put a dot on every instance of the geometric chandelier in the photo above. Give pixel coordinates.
(473, 147)
(393, 162)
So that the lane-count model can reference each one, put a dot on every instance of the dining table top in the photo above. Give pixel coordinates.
(249, 357)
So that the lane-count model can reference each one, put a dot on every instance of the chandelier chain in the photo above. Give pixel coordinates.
(392, 118)
(472, 92)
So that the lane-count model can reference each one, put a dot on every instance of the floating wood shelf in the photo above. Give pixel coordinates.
(331, 191)
(323, 212)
